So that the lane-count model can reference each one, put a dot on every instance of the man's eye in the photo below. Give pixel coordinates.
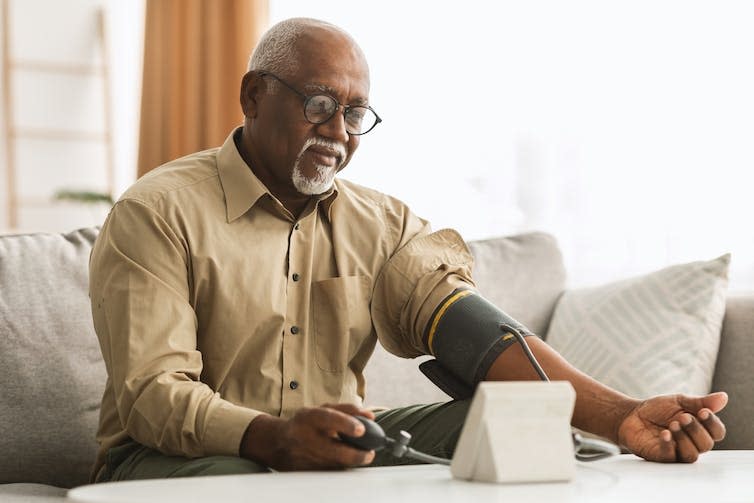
(320, 105)
(355, 115)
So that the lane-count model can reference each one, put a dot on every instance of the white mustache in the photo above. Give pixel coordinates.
(337, 148)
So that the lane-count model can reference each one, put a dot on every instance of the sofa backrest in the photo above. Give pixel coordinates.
(523, 275)
(732, 372)
(52, 374)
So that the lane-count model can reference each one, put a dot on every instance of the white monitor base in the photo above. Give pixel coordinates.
(517, 432)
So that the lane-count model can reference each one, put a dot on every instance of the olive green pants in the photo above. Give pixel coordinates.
(434, 429)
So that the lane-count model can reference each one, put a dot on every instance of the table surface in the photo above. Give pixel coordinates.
(717, 476)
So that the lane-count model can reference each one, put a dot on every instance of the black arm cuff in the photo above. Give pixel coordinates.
(466, 334)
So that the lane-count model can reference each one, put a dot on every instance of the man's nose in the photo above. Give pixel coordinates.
(335, 128)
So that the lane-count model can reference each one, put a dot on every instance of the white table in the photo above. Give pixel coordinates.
(717, 476)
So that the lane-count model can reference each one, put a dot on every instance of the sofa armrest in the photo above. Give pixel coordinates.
(733, 371)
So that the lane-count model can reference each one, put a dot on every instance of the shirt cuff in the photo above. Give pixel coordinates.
(226, 427)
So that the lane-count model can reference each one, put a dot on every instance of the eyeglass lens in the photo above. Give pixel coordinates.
(319, 108)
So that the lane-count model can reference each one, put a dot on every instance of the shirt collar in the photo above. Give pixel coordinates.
(327, 201)
(241, 186)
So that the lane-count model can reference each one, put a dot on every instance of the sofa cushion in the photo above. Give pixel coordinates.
(523, 275)
(649, 335)
(734, 363)
(52, 375)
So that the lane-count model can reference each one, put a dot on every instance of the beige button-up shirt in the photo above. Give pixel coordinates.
(214, 304)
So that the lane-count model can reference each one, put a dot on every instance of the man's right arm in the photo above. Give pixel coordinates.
(139, 288)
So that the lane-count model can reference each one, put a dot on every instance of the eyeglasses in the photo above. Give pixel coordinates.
(320, 108)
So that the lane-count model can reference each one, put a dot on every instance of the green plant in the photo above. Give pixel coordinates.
(84, 196)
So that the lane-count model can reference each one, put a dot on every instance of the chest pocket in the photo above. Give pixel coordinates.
(342, 321)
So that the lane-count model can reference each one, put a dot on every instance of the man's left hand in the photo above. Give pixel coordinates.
(673, 428)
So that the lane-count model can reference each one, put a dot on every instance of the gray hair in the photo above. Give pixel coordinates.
(276, 50)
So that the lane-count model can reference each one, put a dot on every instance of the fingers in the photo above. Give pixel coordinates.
(685, 450)
(682, 427)
(691, 438)
(696, 432)
(667, 447)
(712, 424)
(694, 436)
(313, 439)
(331, 420)
(714, 402)
(351, 410)
(308, 440)
(345, 455)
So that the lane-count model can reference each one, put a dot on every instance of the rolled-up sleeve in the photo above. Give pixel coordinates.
(140, 291)
(411, 285)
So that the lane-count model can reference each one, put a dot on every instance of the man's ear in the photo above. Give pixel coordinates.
(250, 93)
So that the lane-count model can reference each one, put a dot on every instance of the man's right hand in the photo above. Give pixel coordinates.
(308, 440)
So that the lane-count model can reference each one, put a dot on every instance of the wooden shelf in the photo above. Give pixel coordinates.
(57, 68)
(36, 202)
(13, 132)
(60, 134)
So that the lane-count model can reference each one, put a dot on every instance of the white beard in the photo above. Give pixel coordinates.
(325, 176)
(320, 184)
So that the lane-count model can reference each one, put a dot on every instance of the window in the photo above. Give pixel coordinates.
(624, 128)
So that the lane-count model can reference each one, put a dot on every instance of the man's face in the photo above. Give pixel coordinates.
(296, 153)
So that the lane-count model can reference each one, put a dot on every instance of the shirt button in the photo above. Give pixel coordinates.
(296, 276)
(293, 384)
(294, 329)
(295, 227)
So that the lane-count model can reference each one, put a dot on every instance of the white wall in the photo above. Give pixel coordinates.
(127, 43)
(622, 127)
(51, 31)
(625, 128)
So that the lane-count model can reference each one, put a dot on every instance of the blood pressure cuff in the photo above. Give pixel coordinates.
(466, 334)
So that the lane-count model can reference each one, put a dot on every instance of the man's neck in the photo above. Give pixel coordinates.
(295, 205)
(291, 199)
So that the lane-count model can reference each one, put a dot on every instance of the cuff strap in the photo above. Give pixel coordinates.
(467, 333)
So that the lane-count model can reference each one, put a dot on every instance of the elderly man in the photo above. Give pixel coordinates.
(239, 292)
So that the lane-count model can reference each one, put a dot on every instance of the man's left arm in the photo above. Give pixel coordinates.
(420, 281)
(664, 428)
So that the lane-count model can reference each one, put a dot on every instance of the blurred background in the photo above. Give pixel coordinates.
(624, 128)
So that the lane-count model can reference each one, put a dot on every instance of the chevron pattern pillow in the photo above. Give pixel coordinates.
(648, 335)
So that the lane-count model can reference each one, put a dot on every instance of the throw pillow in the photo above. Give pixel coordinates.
(648, 335)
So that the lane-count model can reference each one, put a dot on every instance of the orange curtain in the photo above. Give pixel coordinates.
(195, 53)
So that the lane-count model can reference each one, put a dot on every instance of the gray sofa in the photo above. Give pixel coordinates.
(53, 375)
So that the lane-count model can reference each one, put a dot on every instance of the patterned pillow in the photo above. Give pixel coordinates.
(648, 335)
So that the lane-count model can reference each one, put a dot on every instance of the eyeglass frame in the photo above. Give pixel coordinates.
(308, 97)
